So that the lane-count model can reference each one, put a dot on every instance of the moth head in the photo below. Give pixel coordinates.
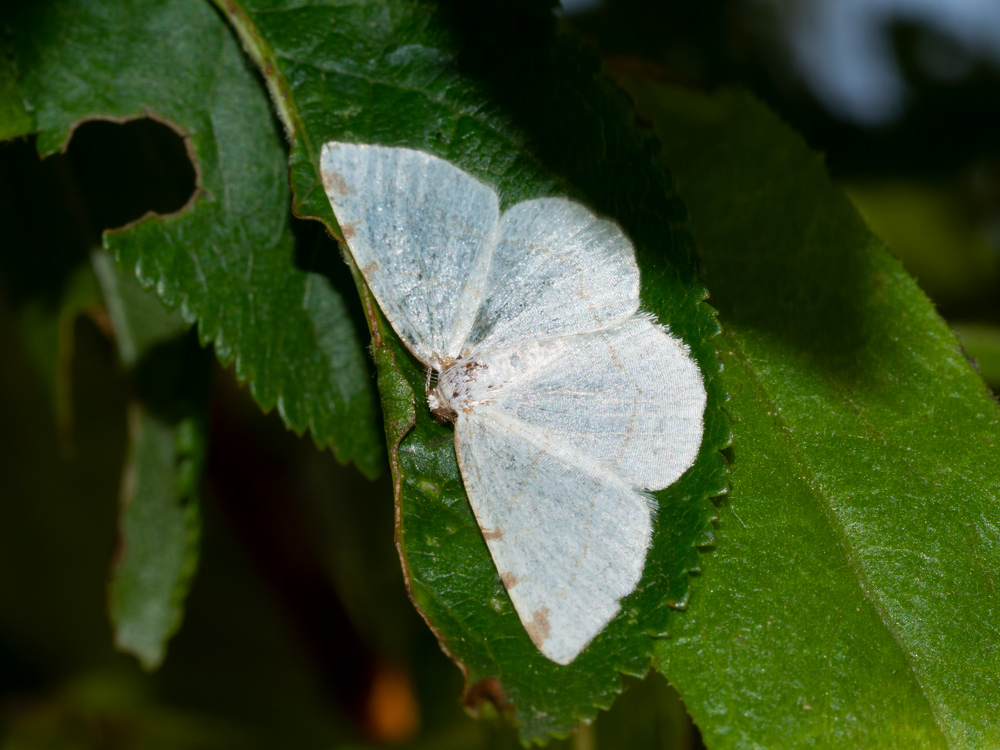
(440, 407)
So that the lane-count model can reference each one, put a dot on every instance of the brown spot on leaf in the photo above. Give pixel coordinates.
(509, 580)
(538, 627)
(487, 690)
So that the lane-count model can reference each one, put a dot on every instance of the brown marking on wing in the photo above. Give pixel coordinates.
(509, 580)
(370, 268)
(348, 231)
(490, 534)
(538, 627)
(613, 356)
(334, 184)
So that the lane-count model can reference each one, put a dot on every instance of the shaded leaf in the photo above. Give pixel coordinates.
(530, 114)
(852, 598)
(159, 524)
(159, 533)
(51, 281)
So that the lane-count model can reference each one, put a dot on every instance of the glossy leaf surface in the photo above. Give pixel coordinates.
(852, 598)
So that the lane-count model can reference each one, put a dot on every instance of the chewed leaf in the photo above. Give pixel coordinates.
(537, 121)
(229, 261)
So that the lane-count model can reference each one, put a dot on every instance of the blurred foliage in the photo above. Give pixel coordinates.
(160, 516)
(933, 230)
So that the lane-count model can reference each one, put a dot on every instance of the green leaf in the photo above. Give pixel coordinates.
(498, 96)
(852, 598)
(138, 319)
(229, 260)
(167, 433)
(159, 529)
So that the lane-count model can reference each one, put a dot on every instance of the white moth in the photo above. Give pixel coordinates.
(569, 404)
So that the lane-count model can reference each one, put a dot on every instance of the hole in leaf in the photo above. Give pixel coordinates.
(126, 170)
(53, 211)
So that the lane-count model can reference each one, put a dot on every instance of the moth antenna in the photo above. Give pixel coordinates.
(432, 379)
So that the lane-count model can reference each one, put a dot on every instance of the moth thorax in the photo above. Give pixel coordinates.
(455, 390)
